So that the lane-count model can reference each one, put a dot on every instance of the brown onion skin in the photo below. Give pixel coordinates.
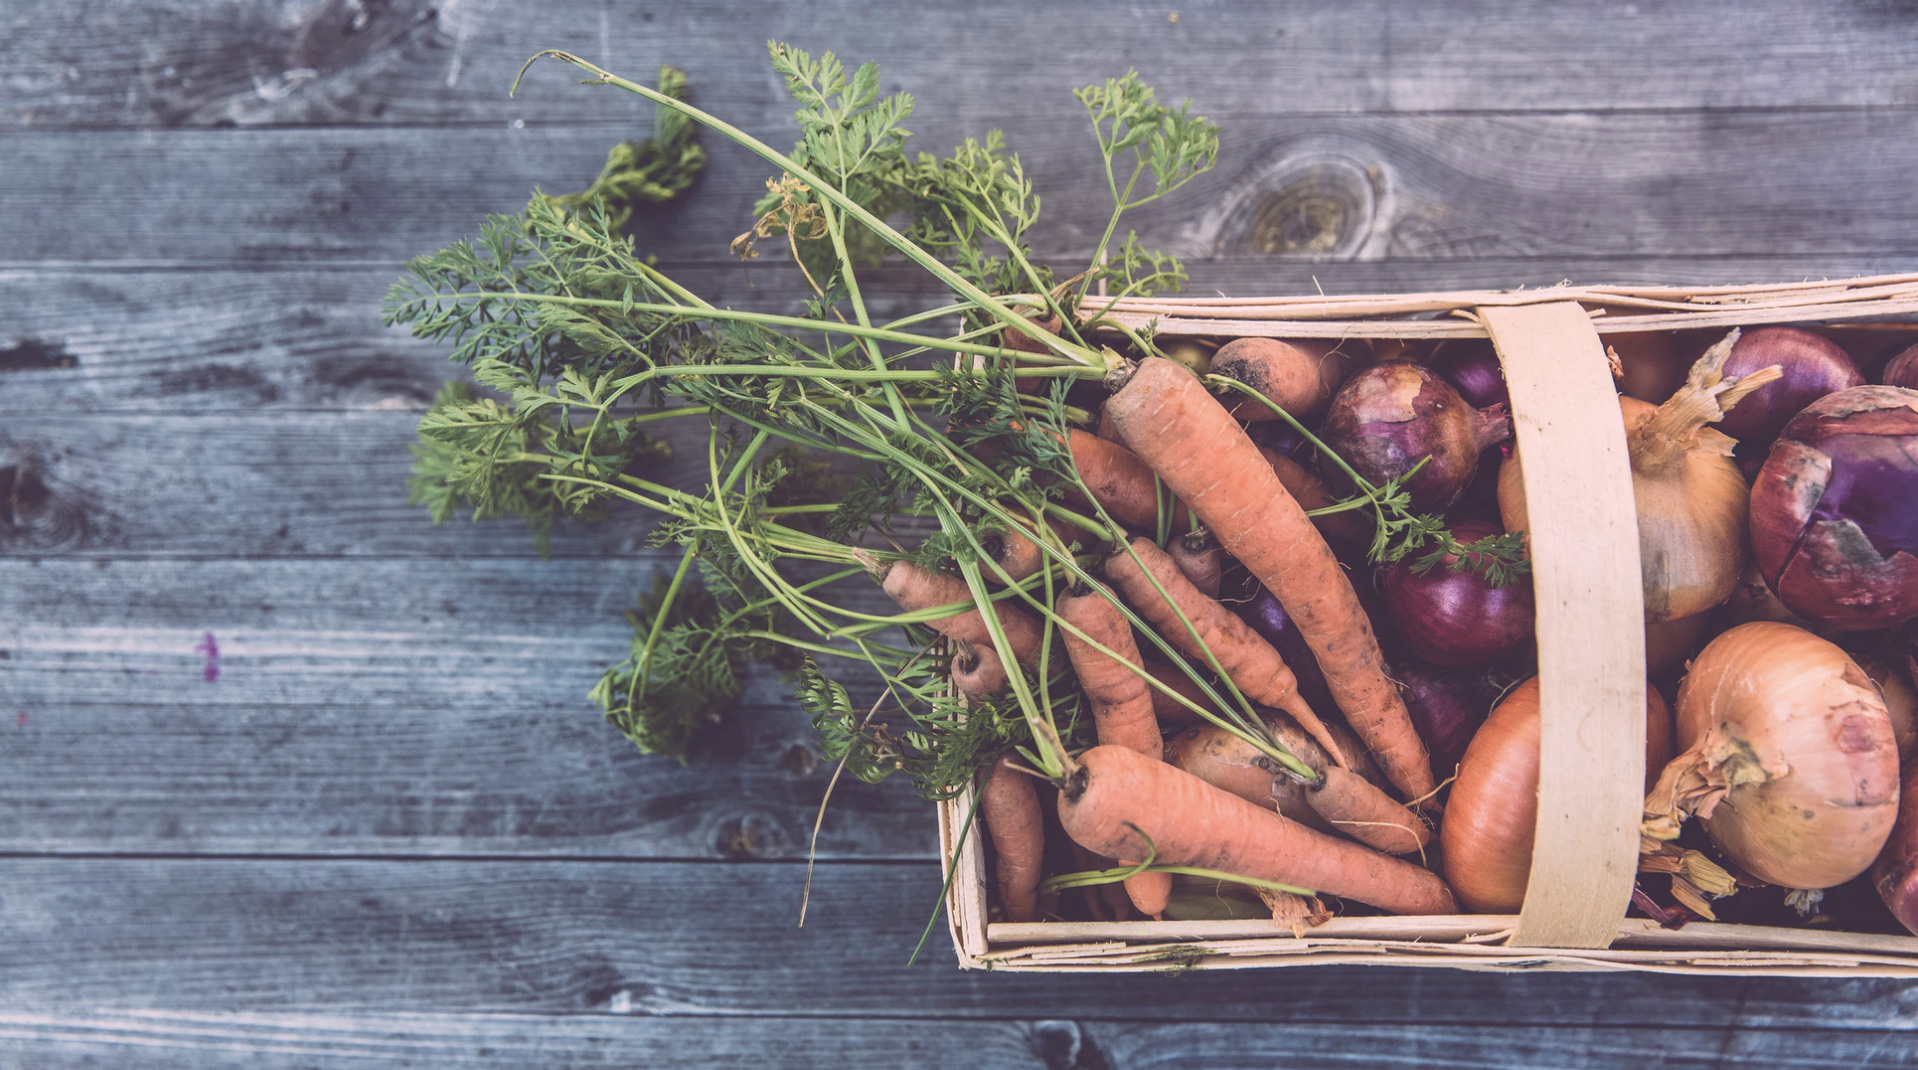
(1455, 617)
(1814, 366)
(1895, 873)
(1901, 370)
(1388, 417)
(1491, 818)
(1834, 512)
(1799, 704)
(1670, 644)
(1901, 702)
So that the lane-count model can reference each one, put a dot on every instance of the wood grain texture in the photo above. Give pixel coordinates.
(320, 1042)
(362, 938)
(382, 707)
(309, 337)
(1334, 187)
(325, 62)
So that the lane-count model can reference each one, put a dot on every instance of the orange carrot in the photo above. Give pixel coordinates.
(977, 671)
(1107, 431)
(1192, 823)
(1360, 810)
(1119, 481)
(1311, 492)
(1009, 805)
(1105, 902)
(1198, 556)
(1172, 423)
(1014, 551)
(1247, 659)
(1301, 376)
(916, 588)
(1121, 703)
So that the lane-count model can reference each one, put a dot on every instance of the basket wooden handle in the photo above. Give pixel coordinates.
(1591, 623)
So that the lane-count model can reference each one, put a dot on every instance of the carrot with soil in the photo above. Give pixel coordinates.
(1009, 805)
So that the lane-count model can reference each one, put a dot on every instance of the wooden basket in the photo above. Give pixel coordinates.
(1591, 660)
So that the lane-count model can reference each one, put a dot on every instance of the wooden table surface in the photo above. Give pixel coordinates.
(291, 778)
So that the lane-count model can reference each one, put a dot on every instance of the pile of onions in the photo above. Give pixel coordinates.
(1789, 760)
(1811, 366)
(1492, 816)
(1447, 706)
(1456, 617)
(1834, 512)
(1691, 499)
(1389, 417)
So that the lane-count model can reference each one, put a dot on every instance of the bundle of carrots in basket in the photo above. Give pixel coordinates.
(1192, 613)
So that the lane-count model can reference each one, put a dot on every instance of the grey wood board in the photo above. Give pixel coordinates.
(327, 62)
(320, 1042)
(103, 341)
(366, 937)
(1448, 187)
(338, 706)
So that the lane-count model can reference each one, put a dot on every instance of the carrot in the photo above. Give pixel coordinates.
(916, 588)
(1121, 703)
(1357, 808)
(1021, 342)
(1120, 482)
(1192, 823)
(1311, 492)
(977, 671)
(1300, 376)
(1009, 805)
(1107, 431)
(1014, 551)
(1105, 902)
(1198, 556)
(1183, 432)
(1168, 709)
(1247, 659)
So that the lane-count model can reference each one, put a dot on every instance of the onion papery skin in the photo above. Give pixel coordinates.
(1447, 707)
(1902, 369)
(1834, 512)
(1691, 526)
(1802, 737)
(1491, 818)
(1388, 417)
(1455, 617)
(1895, 873)
(1901, 702)
(1814, 366)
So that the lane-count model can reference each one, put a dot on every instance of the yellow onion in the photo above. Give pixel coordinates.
(1691, 500)
(1789, 760)
(1491, 817)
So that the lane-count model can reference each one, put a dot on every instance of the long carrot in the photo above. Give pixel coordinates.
(1246, 658)
(1009, 805)
(916, 588)
(1192, 823)
(1311, 492)
(1121, 703)
(1173, 424)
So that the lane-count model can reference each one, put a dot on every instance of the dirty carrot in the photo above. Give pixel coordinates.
(1009, 805)
(1119, 481)
(977, 671)
(1173, 424)
(916, 588)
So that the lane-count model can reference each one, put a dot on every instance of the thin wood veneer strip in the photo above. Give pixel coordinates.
(1591, 631)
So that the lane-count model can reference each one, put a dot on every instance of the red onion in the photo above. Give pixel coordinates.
(1447, 706)
(1454, 616)
(1814, 366)
(1896, 872)
(1389, 417)
(1901, 370)
(1471, 366)
(1834, 513)
(1271, 621)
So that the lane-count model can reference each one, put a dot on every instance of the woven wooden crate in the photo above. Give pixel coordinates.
(1591, 658)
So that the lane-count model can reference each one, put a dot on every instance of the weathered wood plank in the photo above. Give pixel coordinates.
(109, 341)
(1336, 187)
(670, 939)
(382, 707)
(218, 62)
(319, 1042)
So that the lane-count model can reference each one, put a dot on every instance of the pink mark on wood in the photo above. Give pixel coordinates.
(20, 719)
(212, 651)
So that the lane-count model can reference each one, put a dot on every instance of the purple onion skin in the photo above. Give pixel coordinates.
(1471, 366)
(1901, 370)
(1271, 621)
(1834, 511)
(1388, 417)
(1895, 874)
(1813, 367)
(1278, 436)
(1454, 617)
(1447, 707)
